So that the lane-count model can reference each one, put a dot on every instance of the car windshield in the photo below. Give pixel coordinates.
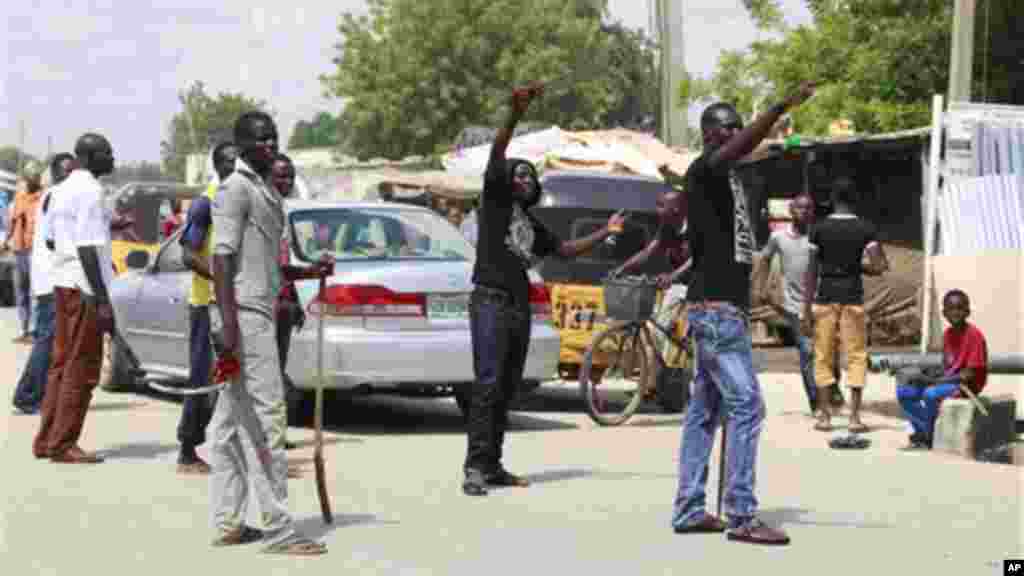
(350, 234)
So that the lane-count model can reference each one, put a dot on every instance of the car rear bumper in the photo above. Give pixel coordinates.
(393, 360)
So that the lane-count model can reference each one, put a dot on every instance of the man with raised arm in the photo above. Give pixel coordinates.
(722, 248)
(510, 242)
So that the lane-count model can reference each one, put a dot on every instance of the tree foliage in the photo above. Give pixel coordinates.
(412, 74)
(321, 131)
(878, 63)
(203, 120)
(10, 156)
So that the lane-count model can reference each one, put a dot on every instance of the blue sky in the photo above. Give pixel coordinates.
(115, 66)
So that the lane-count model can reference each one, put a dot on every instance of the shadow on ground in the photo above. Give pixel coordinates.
(550, 476)
(386, 415)
(140, 451)
(315, 528)
(804, 517)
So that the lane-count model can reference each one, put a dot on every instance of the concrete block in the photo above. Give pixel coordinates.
(963, 430)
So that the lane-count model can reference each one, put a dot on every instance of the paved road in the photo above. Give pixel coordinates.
(600, 501)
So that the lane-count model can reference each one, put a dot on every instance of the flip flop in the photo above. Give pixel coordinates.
(859, 428)
(296, 547)
(849, 442)
(243, 535)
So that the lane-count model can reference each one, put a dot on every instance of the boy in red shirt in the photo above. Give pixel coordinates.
(965, 360)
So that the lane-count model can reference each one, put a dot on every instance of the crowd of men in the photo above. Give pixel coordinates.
(243, 308)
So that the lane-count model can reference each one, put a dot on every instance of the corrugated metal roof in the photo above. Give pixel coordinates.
(983, 213)
(986, 211)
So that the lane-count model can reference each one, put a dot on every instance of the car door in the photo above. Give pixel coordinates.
(163, 314)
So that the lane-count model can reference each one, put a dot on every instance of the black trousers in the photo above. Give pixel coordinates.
(500, 330)
(289, 316)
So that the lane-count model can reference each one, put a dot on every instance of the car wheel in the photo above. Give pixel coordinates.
(300, 404)
(116, 374)
(462, 399)
(673, 388)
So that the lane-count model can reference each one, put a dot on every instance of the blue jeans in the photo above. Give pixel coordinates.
(500, 331)
(805, 346)
(724, 380)
(921, 404)
(28, 395)
(23, 290)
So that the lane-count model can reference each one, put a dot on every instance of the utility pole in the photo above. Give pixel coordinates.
(21, 145)
(668, 17)
(962, 51)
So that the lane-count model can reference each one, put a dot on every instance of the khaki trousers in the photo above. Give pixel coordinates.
(851, 323)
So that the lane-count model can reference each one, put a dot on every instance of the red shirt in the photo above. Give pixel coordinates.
(966, 349)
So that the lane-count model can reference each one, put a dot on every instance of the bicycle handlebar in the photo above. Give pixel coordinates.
(640, 279)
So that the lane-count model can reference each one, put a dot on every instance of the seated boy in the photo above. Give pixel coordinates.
(964, 361)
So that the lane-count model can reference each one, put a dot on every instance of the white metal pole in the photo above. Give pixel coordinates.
(931, 208)
(961, 51)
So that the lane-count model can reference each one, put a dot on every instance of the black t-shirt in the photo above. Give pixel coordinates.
(720, 235)
(672, 241)
(840, 241)
(510, 240)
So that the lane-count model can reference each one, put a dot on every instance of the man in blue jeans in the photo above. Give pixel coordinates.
(510, 242)
(28, 396)
(722, 249)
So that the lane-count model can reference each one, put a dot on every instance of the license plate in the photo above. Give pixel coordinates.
(448, 307)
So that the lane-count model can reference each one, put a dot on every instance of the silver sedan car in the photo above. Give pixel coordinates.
(395, 311)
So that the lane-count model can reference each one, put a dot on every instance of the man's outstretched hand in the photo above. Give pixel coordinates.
(522, 96)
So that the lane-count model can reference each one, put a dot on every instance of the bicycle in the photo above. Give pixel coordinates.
(627, 351)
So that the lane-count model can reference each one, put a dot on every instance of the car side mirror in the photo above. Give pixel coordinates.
(137, 259)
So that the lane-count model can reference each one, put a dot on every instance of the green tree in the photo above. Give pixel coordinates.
(412, 74)
(878, 63)
(322, 131)
(203, 120)
(10, 156)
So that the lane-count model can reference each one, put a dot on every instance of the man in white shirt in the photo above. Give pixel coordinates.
(82, 275)
(28, 396)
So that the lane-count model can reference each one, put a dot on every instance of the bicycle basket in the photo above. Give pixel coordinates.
(629, 300)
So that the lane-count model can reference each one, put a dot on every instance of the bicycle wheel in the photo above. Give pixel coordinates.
(614, 368)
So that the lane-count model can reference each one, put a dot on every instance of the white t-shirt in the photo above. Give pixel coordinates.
(80, 218)
(42, 257)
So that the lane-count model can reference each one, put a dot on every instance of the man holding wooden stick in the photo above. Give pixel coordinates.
(248, 425)
(722, 248)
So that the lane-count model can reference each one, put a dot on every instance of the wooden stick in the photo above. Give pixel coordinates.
(721, 466)
(318, 415)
